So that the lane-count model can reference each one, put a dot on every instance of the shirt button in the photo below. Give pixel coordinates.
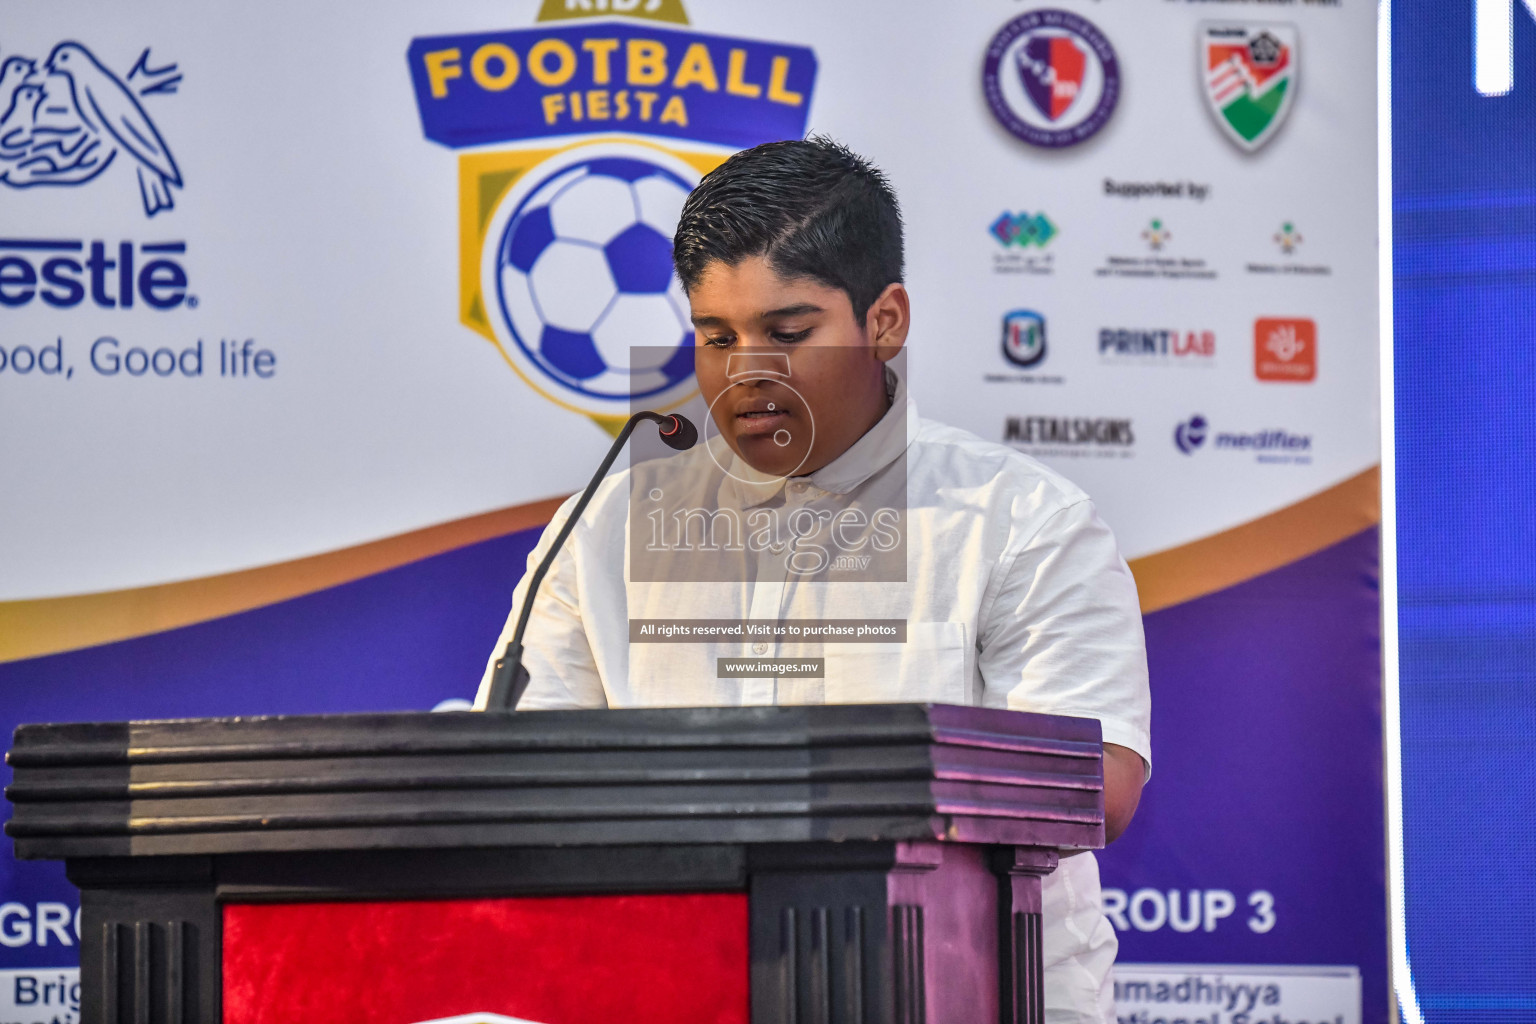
(759, 648)
(798, 486)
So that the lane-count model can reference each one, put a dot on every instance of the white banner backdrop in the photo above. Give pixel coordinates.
(320, 225)
(257, 322)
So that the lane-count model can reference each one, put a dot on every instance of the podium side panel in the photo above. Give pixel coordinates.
(891, 933)
(149, 955)
(821, 947)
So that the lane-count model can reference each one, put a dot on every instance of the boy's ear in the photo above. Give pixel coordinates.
(888, 320)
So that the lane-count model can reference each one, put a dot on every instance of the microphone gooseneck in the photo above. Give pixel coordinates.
(510, 678)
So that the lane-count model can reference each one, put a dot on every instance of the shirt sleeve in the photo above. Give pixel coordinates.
(1061, 634)
(562, 671)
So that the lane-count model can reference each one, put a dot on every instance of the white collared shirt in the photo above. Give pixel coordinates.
(1014, 596)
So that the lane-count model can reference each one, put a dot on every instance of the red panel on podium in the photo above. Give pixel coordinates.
(679, 959)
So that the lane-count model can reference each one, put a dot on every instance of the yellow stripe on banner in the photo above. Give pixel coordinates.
(1214, 563)
(30, 629)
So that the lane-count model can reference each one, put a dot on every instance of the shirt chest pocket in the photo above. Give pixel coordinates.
(932, 667)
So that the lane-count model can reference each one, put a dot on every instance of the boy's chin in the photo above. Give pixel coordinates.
(768, 458)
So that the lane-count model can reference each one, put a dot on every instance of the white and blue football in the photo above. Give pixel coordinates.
(584, 280)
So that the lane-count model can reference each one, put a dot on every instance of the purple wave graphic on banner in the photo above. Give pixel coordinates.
(1266, 715)
(400, 640)
(1267, 786)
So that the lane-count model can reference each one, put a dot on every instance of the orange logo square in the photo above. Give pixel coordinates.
(1285, 350)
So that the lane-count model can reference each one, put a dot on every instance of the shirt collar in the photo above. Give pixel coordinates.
(881, 445)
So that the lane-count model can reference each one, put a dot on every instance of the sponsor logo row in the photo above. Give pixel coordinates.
(1197, 436)
(1024, 245)
(566, 267)
(1284, 348)
(1053, 79)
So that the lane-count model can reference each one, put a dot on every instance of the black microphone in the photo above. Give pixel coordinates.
(510, 678)
(681, 434)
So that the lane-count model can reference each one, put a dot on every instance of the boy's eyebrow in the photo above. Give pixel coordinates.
(798, 309)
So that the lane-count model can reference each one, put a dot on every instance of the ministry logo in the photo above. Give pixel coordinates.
(1288, 238)
(1249, 74)
(1051, 78)
(67, 119)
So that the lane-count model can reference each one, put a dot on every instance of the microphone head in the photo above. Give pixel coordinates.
(679, 433)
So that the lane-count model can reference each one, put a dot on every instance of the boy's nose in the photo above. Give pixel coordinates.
(750, 365)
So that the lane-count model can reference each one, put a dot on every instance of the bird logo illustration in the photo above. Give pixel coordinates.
(65, 120)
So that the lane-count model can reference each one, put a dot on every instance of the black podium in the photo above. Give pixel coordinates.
(863, 863)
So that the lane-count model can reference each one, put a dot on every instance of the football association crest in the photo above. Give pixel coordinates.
(1250, 78)
(1051, 78)
(1024, 337)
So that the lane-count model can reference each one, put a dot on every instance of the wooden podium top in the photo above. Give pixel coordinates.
(555, 778)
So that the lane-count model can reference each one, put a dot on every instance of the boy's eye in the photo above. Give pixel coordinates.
(723, 341)
(790, 337)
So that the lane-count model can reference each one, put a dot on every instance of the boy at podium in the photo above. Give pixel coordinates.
(825, 544)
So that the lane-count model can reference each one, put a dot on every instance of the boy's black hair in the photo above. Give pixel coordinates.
(812, 208)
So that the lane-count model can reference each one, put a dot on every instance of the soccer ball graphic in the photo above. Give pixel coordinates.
(590, 309)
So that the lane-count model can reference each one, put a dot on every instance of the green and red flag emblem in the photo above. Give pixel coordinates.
(1250, 78)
